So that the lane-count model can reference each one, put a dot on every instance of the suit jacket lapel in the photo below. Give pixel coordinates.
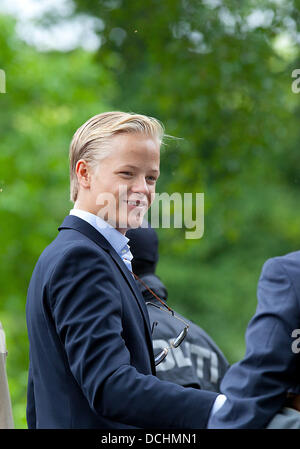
(74, 222)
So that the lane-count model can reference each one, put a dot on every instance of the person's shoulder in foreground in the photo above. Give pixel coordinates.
(257, 386)
(91, 356)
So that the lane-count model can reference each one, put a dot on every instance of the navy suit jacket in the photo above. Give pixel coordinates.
(91, 356)
(256, 386)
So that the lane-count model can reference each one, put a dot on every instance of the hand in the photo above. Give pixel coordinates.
(294, 401)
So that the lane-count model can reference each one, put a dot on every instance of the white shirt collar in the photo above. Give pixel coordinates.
(117, 240)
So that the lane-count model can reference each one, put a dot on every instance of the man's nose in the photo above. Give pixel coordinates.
(140, 185)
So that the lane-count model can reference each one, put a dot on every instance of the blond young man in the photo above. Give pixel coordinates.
(91, 358)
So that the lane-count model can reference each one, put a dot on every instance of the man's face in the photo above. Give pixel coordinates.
(123, 185)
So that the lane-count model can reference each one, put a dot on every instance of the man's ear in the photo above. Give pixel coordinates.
(83, 173)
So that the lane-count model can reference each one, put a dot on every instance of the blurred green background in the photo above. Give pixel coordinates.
(218, 74)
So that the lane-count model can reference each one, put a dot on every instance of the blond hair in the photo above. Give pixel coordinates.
(91, 141)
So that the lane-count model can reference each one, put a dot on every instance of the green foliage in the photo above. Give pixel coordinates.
(48, 97)
(220, 85)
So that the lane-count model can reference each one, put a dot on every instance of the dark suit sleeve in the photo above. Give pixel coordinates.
(87, 311)
(30, 410)
(256, 386)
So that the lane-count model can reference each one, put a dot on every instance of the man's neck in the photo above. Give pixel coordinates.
(79, 206)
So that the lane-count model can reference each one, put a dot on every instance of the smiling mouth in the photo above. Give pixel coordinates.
(137, 203)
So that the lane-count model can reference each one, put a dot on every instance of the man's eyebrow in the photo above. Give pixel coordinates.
(134, 167)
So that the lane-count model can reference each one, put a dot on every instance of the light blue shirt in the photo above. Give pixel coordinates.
(117, 240)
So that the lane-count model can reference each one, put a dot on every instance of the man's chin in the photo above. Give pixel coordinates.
(132, 222)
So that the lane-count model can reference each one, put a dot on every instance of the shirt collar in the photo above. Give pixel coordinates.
(117, 240)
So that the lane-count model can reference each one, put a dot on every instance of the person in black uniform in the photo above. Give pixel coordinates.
(197, 362)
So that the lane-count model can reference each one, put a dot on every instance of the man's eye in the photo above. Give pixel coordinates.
(152, 178)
